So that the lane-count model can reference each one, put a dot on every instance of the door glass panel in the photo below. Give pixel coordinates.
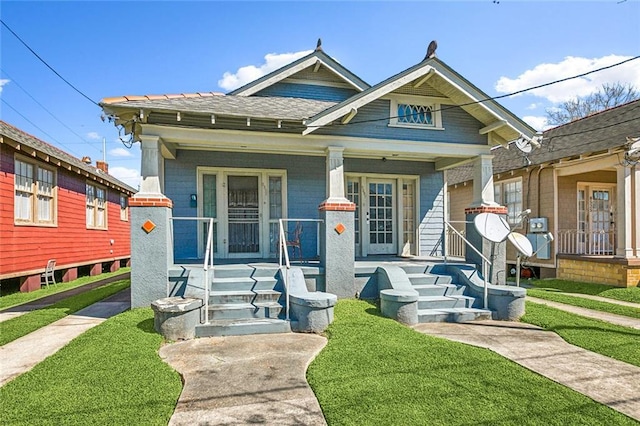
(408, 217)
(209, 209)
(275, 211)
(353, 194)
(244, 217)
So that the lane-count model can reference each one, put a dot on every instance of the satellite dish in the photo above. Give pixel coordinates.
(492, 227)
(521, 243)
(523, 145)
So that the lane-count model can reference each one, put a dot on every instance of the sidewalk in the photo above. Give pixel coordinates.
(24, 353)
(16, 311)
(590, 313)
(602, 299)
(606, 380)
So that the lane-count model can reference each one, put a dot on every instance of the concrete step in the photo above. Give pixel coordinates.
(231, 311)
(453, 315)
(435, 289)
(243, 283)
(242, 327)
(421, 279)
(438, 302)
(414, 269)
(243, 296)
(243, 270)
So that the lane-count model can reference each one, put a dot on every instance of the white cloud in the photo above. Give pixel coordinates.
(246, 74)
(93, 135)
(534, 106)
(569, 67)
(120, 152)
(538, 123)
(3, 81)
(129, 176)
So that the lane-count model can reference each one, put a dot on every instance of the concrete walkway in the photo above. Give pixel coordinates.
(590, 313)
(24, 353)
(602, 299)
(246, 379)
(608, 381)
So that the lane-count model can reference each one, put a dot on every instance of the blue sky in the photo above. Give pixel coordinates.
(109, 49)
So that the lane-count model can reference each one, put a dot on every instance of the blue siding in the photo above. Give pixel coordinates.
(372, 121)
(307, 91)
(305, 189)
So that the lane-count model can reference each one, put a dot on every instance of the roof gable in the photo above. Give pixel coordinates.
(316, 62)
(442, 79)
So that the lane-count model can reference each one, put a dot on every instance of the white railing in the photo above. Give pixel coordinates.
(207, 265)
(283, 253)
(455, 246)
(593, 243)
(486, 263)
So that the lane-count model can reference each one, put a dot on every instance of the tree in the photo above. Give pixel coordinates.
(608, 96)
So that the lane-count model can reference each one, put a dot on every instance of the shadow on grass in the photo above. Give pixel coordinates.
(147, 326)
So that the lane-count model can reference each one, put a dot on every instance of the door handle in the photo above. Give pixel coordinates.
(367, 217)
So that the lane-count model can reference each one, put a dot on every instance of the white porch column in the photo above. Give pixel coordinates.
(624, 212)
(151, 166)
(635, 205)
(335, 175)
(483, 181)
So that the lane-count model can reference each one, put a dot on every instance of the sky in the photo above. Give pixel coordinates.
(108, 49)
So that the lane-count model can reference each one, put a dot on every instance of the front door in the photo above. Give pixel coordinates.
(381, 217)
(243, 208)
(596, 220)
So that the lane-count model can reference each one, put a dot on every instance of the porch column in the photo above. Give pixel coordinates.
(483, 202)
(635, 193)
(151, 242)
(337, 251)
(626, 212)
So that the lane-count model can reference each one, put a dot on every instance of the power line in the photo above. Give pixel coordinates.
(35, 125)
(48, 66)
(14, 81)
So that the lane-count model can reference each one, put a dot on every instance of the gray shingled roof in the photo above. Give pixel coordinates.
(596, 133)
(276, 108)
(7, 130)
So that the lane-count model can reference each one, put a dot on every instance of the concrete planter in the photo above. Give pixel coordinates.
(175, 318)
(401, 305)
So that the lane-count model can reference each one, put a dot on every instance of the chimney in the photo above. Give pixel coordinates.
(102, 165)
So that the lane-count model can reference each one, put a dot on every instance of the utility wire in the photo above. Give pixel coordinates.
(14, 81)
(35, 125)
(48, 66)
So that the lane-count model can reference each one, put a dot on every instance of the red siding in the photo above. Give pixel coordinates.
(25, 248)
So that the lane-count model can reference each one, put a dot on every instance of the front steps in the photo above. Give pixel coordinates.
(245, 299)
(442, 300)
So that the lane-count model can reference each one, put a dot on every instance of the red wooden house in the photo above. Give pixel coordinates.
(55, 206)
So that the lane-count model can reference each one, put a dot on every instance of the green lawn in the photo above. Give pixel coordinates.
(375, 371)
(630, 294)
(29, 322)
(110, 375)
(585, 303)
(13, 299)
(621, 343)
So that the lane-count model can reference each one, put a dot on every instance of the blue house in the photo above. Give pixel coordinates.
(359, 170)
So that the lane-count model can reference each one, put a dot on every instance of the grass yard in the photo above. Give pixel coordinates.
(110, 375)
(29, 322)
(630, 294)
(621, 343)
(611, 308)
(375, 371)
(13, 299)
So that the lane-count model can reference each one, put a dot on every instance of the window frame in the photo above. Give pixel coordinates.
(95, 205)
(35, 193)
(513, 210)
(423, 101)
(124, 208)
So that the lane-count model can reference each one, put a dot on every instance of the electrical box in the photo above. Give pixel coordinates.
(541, 245)
(538, 225)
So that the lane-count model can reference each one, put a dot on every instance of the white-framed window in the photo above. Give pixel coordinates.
(35, 194)
(415, 112)
(124, 208)
(509, 193)
(96, 206)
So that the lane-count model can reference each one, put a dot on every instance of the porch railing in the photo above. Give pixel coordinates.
(455, 242)
(593, 243)
(283, 253)
(207, 265)
(486, 263)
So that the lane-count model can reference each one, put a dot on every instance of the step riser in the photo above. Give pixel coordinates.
(443, 304)
(433, 290)
(244, 298)
(245, 313)
(453, 317)
(244, 284)
(205, 330)
(414, 269)
(243, 271)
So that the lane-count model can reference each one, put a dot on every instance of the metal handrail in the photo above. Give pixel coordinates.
(282, 248)
(485, 262)
(208, 261)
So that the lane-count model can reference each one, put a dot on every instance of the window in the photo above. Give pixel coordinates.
(35, 194)
(415, 111)
(509, 194)
(96, 207)
(124, 208)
